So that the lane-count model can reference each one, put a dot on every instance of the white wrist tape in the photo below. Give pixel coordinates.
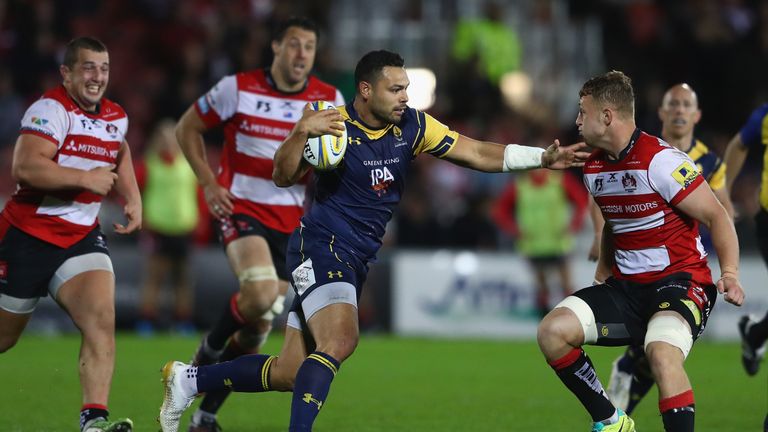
(518, 157)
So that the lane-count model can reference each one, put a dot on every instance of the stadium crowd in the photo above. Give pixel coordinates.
(170, 52)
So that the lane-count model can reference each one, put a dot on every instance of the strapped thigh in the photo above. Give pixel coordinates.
(669, 329)
(76, 265)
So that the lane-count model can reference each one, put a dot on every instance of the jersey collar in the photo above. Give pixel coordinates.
(632, 141)
(273, 84)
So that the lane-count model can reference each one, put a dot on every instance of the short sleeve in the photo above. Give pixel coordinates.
(339, 99)
(752, 131)
(717, 179)
(220, 103)
(437, 139)
(47, 119)
(673, 175)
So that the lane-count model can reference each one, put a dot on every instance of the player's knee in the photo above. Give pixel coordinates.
(667, 343)
(258, 291)
(571, 322)
(95, 319)
(341, 347)
(251, 339)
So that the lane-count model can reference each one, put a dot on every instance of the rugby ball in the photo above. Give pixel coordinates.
(326, 151)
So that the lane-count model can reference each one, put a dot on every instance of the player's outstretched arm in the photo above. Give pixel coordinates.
(702, 205)
(735, 155)
(492, 157)
(33, 166)
(289, 164)
(128, 188)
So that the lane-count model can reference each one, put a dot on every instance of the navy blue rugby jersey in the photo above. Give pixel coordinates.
(355, 201)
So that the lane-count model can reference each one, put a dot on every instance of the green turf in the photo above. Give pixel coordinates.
(390, 384)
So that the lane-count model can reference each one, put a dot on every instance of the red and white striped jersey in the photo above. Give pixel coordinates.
(85, 141)
(637, 195)
(257, 118)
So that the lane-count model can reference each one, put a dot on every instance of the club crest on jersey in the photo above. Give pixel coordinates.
(629, 182)
(39, 121)
(398, 133)
(685, 174)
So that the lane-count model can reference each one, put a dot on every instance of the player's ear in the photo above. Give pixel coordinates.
(697, 116)
(365, 89)
(607, 115)
(64, 71)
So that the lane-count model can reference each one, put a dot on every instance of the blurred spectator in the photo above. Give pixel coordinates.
(484, 49)
(12, 107)
(170, 216)
(542, 209)
(487, 43)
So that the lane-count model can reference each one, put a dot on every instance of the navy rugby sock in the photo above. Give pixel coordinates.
(576, 371)
(214, 399)
(678, 412)
(249, 373)
(313, 382)
(229, 322)
(642, 381)
(758, 333)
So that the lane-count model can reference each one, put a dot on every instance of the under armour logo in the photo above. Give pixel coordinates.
(228, 382)
(309, 399)
(336, 273)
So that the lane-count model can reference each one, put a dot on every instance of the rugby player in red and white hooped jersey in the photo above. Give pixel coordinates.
(71, 152)
(257, 110)
(653, 285)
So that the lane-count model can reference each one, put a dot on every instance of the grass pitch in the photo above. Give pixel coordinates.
(389, 384)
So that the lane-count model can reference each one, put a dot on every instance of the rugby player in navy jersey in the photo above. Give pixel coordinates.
(753, 135)
(328, 255)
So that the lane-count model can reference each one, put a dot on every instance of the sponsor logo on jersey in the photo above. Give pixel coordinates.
(663, 305)
(333, 274)
(612, 177)
(685, 174)
(203, 104)
(598, 183)
(90, 149)
(39, 121)
(256, 128)
(263, 106)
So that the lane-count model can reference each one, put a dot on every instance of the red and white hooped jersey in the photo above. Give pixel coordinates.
(257, 118)
(85, 141)
(637, 195)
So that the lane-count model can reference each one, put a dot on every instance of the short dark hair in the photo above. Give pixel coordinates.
(295, 21)
(369, 67)
(75, 45)
(613, 88)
